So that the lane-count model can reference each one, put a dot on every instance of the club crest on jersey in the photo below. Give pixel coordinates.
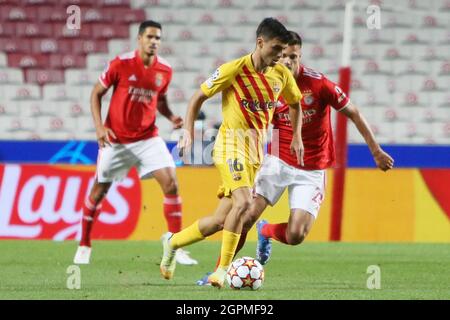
(236, 176)
(158, 79)
(308, 100)
(276, 87)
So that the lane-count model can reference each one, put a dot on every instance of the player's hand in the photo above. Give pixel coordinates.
(177, 122)
(103, 135)
(383, 160)
(298, 149)
(184, 144)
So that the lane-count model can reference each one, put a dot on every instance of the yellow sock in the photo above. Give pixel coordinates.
(230, 241)
(186, 236)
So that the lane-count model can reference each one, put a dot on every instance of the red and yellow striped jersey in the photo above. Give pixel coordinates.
(249, 97)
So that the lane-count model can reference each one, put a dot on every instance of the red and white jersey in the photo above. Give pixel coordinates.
(318, 94)
(132, 110)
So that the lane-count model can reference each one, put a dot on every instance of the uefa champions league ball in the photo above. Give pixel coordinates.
(245, 273)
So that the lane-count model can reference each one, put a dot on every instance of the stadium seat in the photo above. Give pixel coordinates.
(89, 46)
(109, 31)
(98, 61)
(58, 92)
(60, 31)
(18, 92)
(9, 108)
(81, 76)
(33, 30)
(118, 46)
(15, 13)
(11, 76)
(14, 45)
(53, 124)
(35, 109)
(65, 61)
(44, 76)
(20, 60)
(14, 124)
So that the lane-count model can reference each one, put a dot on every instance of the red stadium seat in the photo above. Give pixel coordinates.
(115, 3)
(31, 3)
(89, 46)
(33, 30)
(126, 15)
(20, 60)
(64, 61)
(14, 13)
(47, 45)
(95, 15)
(52, 14)
(61, 31)
(44, 76)
(109, 31)
(14, 45)
(7, 29)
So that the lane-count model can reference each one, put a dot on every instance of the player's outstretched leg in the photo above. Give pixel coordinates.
(168, 262)
(264, 245)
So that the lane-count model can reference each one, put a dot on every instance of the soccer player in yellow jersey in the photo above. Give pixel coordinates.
(250, 88)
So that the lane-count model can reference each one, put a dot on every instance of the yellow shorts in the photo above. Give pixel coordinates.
(235, 173)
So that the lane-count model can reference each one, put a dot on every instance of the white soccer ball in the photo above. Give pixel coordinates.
(245, 273)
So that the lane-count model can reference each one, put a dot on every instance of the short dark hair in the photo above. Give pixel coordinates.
(295, 39)
(271, 28)
(149, 23)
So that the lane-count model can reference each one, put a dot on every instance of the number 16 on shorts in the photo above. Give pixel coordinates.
(235, 167)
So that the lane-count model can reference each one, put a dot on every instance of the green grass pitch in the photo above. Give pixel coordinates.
(130, 270)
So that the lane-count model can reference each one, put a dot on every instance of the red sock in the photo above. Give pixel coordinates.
(275, 231)
(172, 212)
(90, 213)
(239, 247)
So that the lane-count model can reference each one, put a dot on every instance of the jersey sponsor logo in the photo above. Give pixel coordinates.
(45, 202)
(255, 105)
(132, 78)
(308, 115)
(141, 94)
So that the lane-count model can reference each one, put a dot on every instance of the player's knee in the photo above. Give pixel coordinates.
(242, 206)
(170, 187)
(249, 219)
(297, 237)
(218, 224)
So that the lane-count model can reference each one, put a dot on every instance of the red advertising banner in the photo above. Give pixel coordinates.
(45, 202)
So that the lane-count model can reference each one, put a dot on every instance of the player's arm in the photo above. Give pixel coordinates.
(382, 159)
(217, 82)
(102, 132)
(163, 108)
(195, 104)
(295, 114)
(292, 95)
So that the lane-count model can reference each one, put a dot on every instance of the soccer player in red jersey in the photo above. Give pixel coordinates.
(280, 169)
(129, 137)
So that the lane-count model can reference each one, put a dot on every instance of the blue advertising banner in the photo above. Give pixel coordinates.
(85, 152)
